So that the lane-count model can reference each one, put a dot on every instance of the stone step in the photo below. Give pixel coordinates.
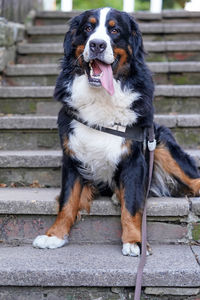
(158, 51)
(27, 132)
(24, 168)
(151, 32)
(172, 99)
(46, 74)
(172, 16)
(95, 266)
(27, 212)
(31, 75)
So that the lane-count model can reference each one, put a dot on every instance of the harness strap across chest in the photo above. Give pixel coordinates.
(135, 133)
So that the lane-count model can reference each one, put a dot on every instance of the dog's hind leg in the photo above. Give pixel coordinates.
(74, 197)
(174, 161)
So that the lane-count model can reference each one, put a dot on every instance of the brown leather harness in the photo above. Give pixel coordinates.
(135, 133)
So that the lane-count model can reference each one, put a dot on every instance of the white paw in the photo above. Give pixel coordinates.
(130, 249)
(115, 200)
(51, 242)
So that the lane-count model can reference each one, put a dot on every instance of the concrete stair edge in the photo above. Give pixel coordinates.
(168, 14)
(97, 265)
(47, 91)
(145, 28)
(34, 201)
(47, 158)
(50, 122)
(52, 48)
(53, 69)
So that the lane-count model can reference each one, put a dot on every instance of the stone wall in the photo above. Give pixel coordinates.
(10, 34)
(97, 293)
(17, 10)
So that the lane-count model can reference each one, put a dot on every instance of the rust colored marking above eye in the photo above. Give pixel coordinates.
(92, 20)
(112, 23)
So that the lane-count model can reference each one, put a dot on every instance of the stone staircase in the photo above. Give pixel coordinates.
(92, 266)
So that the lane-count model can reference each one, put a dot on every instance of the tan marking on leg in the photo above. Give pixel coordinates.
(166, 161)
(196, 186)
(131, 225)
(118, 194)
(66, 217)
(87, 196)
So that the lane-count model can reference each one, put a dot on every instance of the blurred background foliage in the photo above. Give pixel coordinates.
(118, 4)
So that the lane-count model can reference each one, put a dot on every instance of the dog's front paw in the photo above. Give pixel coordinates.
(133, 250)
(115, 200)
(50, 242)
(130, 249)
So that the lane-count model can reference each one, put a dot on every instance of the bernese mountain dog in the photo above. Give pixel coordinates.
(105, 83)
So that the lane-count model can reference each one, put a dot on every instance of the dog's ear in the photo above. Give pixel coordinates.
(136, 41)
(68, 41)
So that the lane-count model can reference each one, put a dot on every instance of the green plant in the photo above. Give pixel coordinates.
(89, 4)
(118, 4)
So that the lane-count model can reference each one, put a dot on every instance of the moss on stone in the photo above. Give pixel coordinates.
(196, 231)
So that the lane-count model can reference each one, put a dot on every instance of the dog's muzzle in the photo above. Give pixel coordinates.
(97, 49)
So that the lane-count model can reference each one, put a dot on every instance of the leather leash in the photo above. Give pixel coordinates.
(151, 147)
(138, 134)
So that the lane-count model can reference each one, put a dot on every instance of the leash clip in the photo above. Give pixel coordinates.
(152, 145)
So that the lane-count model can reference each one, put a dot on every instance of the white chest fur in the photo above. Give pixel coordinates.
(96, 106)
(99, 152)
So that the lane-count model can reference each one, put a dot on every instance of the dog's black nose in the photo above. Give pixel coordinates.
(97, 46)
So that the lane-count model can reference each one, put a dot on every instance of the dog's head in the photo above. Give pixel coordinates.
(103, 43)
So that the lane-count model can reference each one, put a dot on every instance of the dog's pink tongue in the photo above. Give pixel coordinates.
(106, 77)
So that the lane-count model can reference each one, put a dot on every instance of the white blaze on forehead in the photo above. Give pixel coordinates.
(101, 30)
(102, 20)
(101, 34)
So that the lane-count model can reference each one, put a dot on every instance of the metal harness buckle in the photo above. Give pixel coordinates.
(152, 145)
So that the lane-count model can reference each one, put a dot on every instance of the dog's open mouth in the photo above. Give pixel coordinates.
(100, 74)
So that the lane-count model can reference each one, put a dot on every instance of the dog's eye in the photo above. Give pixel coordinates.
(114, 31)
(88, 28)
